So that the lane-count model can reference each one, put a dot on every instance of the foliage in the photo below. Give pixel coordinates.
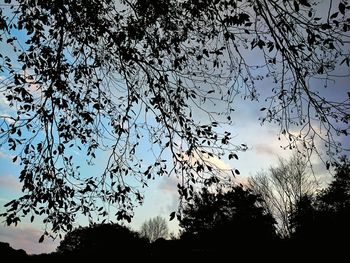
(155, 228)
(100, 239)
(282, 187)
(326, 216)
(302, 219)
(221, 218)
(337, 195)
(122, 76)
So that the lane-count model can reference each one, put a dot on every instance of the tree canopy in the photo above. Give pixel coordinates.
(325, 216)
(104, 240)
(283, 186)
(154, 229)
(122, 76)
(225, 218)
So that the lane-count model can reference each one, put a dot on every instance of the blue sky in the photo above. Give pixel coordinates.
(161, 196)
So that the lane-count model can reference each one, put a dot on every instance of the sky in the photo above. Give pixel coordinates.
(161, 197)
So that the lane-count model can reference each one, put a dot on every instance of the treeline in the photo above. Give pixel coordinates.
(239, 221)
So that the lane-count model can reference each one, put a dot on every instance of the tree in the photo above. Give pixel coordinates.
(325, 216)
(155, 228)
(282, 187)
(121, 76)
(303, 220)
(337, 195)
(225, 218)
(103, 240)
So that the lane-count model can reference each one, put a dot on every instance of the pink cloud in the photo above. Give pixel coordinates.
(10, 182)
(265, 149)
(26, 238)
(6, 156)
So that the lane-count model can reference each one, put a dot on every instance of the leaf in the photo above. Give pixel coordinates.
(326, 26)
(261, 44)
(237, 172)
(205, 52)
(172, 216)
(304, 3)
(232, 155)
(296, 6)
(262, 109)
(233, 174)
(341, 8)
(334, 15)
(96, 106)
(32, 219)
(41, 239)
(320, 70)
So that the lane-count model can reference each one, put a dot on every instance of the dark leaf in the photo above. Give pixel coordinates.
(233, 173)
(334, 15)
(232, 155)
(305, 3)
(172, 216)
(296, 6)
(326, 26)
(342, 8)
(320, 70)
(261, 43)
(41, 239)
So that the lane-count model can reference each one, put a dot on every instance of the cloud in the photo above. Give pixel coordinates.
(10, 182)
(169, 184)
(217, 163)
(6, 156)
(27, 238)
(268, 149)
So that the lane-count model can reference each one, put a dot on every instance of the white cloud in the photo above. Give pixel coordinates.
(217, 163)
(261, 148)
(169, 184)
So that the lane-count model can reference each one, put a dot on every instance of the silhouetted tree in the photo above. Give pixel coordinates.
(282, 187)
(155, 228)
(9, 253)
(226, 218)
(334, 204)
(123, 76)
(302, 220)
(324, 219)
(103, 240)
(337, 196)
